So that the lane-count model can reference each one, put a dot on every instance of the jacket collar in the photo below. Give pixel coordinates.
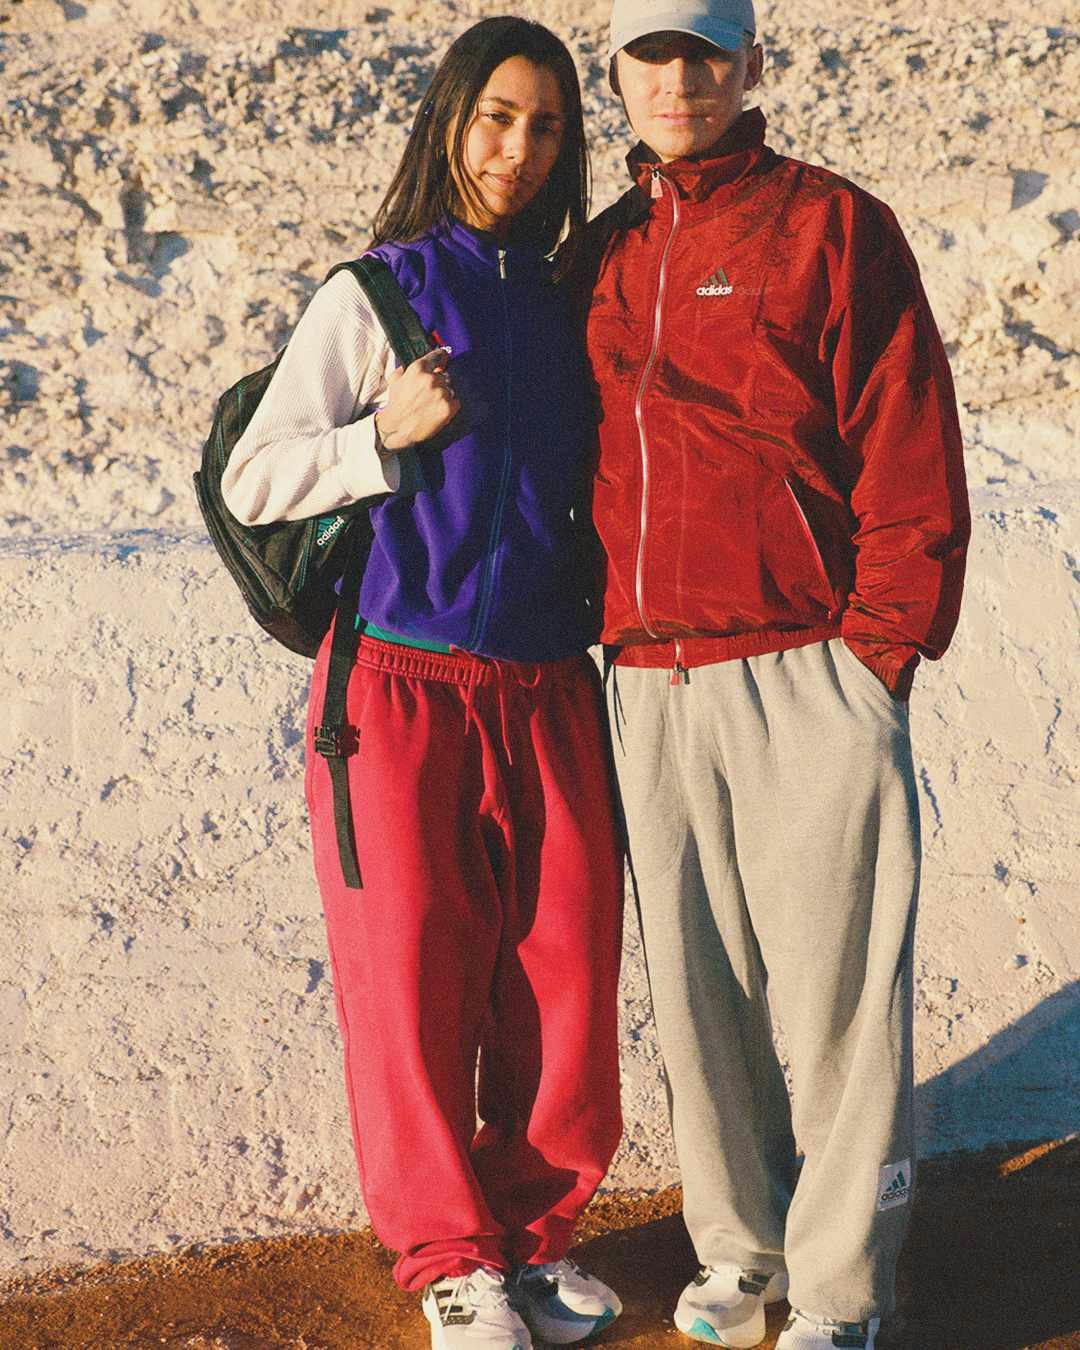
(696, 179)
(480, 246)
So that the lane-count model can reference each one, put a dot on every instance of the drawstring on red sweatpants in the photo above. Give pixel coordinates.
(526, 676)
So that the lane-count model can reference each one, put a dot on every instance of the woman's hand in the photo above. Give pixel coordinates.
(421, 402)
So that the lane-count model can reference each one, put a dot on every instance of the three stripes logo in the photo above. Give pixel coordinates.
(717, 284)
(894, 1185)
(452, 1311)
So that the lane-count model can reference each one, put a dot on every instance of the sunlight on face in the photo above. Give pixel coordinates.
(512, 143)
(682, 93)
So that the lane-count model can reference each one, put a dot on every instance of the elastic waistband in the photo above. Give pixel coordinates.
(458, 667)
(687, 653)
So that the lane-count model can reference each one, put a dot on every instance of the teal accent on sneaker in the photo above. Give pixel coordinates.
(605, 1319)
(703, 1332)
(557, 1310)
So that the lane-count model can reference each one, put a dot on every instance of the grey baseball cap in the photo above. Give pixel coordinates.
(721, 22)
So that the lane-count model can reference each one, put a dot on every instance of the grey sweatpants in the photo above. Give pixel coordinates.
(774, 835)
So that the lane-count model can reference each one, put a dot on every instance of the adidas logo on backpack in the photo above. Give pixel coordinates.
(327, 533)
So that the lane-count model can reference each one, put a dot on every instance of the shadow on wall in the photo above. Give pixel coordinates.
(1023, 1084)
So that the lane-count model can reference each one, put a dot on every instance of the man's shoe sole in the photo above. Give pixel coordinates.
(742, 1337)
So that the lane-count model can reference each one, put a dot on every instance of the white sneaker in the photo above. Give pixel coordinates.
(472, 1312)
(725, 1305)
(806, 1332)
(560, 1303)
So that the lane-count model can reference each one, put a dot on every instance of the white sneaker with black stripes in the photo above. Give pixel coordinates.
(472, 1312)
(806, 1332)
(725, 1305)
(560, 1303)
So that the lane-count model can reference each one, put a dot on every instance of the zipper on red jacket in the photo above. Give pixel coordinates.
(679, 673)
(658, 181)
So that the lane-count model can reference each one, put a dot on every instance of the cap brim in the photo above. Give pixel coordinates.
(727, 36)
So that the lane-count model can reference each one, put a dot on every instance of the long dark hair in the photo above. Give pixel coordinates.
(423, 190)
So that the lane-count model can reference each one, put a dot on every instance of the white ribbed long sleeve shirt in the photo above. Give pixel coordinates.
(310, 449)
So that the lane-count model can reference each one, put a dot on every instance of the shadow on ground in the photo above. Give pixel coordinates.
(1025, 1080)
(992, 1263)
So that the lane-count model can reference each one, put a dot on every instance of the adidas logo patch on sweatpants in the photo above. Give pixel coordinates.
(894, 1185)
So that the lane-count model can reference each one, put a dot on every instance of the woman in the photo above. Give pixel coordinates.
(489, 920)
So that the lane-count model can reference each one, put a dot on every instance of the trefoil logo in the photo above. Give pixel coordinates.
(717, 284)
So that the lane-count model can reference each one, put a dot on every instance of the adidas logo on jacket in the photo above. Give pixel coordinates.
(717, 284)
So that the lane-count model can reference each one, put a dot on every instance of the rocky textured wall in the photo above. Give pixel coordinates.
(172, 189)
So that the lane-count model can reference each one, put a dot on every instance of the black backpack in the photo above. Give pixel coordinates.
(287, 571)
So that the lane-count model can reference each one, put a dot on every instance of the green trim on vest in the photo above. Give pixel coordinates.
(384, 635)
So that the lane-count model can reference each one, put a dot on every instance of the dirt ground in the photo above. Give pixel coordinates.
(992, 1263)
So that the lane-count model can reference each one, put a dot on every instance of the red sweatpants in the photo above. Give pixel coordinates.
(488, 928)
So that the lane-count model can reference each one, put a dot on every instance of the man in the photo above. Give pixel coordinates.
(781, 499)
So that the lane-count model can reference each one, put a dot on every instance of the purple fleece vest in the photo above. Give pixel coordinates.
(485, 556)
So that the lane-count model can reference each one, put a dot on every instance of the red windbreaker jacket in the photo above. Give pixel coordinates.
(780, 460)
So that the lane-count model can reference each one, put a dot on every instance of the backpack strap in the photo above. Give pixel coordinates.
(400, 323)
(406, 334)
(409, 341)
(330, 738)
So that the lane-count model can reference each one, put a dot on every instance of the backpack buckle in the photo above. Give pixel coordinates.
(328, 742)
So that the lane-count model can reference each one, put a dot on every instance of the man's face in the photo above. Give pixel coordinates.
(681, 93)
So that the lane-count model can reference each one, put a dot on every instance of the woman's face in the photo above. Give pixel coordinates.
(511, 144)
